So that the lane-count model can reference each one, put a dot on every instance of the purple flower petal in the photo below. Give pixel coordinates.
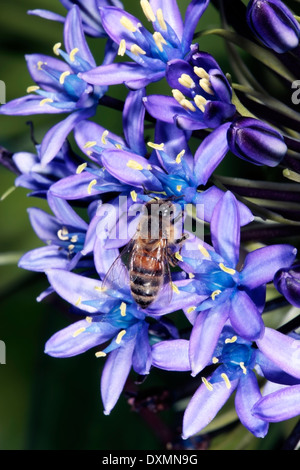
(225, 229)
(55, 137)
(114, 74)
(76, 289)
(73, 340)
(272, 372)
(75, 187)
(247, 394)
(27, 105)
(89, 131)
(65, 214)
(141, 358)
(111, 21)
(193, 14)
(133, 121)
(171, 14)
(204, 406)
(210, 153)
(38, 75)
(262, 264)
(283, 350)
(171, 355)
(44, 224)
(279, 406)
(114, 375)
(163, 107)
(245, 317)
(74, 36)
(48, 15)
(44, 258)
(205, 334)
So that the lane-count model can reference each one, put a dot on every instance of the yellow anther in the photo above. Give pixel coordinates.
(178, 188)
(71, 247)
(186, 81)
(215, 293)
(56, 48)
(46, 100)
(123, 309)
(74, 239)
(191, 309)
(120, 336)
(136, 50)
(78, 332)
(149, 167)
(178, 95)
(89, 319)
(100, 289)
(242, 366)
(147, 9)
(227, 270)
(122, 47)
(73, 53)
(191, 275)
(133, 195)
(201, 73)
(134, 165)
(187, 105)
(118, 146)
(207, 384)
(32, 88)
(178, 256)
(203, 251)
(40, 63)
(100, 354)
(226, 380)
(200, 102)
(156, 146)
(103, 137)
(80, 168)
(174, 288)
(159, 40)
(161, 20)
(63, 234)
(63, 77)
(128, 24)
(215, 360)
(90, 186)
(205, 85)
(179, 156)
(231, 340)
(89, 144)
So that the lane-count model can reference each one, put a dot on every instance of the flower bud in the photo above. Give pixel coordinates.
(287, 282)
(255, 141)
(274, 24)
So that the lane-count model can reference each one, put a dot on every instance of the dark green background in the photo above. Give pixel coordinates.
(48, 403)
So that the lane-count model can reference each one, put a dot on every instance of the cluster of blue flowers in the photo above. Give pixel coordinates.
(219, 281)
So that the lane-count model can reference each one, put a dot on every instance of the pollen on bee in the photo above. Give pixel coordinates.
(32, 88)
(161, 20)
(122, 47)
(78, 332)
(123, 309)
(81, 168)
(73, 53)
(90, 186)
(134, 165)
(56, 48)
(46, 100)
(226, 380)
(207, 384)
(147, 9)
(136, 50)
(156, 146)
(227, 270)
(186, 81)
(128, 24)
(63, 76)
(120, 336)
(231, 340)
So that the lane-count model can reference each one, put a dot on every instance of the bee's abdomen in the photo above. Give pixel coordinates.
(146, 277)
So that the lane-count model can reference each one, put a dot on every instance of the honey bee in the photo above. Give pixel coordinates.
(152, 250)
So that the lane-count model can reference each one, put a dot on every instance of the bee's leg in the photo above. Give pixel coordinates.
(180, 241)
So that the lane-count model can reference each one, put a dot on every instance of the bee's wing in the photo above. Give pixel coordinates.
(165, 294)
(117, 275)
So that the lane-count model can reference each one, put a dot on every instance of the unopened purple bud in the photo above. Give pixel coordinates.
(274, 24)
(287, 282)
(255, 141)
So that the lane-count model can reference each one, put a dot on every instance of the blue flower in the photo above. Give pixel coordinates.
(235, 287)
(59, 89)
(276, 358)
(150, 53)
(287, 282)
